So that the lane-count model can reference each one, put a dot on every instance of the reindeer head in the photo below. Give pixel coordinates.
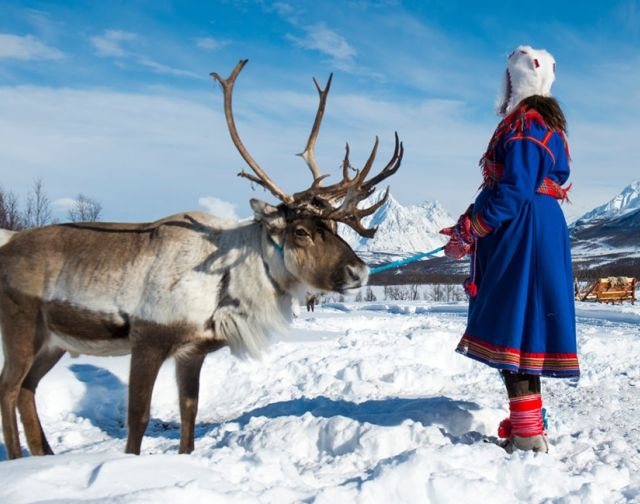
(304, 225)
(311, 249)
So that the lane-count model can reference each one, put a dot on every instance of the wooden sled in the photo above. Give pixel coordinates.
(610, 290)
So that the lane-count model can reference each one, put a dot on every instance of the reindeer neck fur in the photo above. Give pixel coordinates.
(256, 296)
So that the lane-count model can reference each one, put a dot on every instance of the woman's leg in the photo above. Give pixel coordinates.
(519, 384)
(525, 407)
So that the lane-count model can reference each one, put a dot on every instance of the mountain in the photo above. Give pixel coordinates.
(402, 230)
(627, 201)
(608, 237)
(604, 241)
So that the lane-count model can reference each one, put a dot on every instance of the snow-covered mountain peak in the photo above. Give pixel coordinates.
(627, 201)
(402, 230)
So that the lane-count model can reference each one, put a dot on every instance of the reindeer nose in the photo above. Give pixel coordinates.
(353, 274)
(358, 274)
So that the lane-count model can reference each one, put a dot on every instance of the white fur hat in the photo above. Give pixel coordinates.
(529, 72)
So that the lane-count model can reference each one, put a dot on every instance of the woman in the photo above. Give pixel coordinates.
(521, 310)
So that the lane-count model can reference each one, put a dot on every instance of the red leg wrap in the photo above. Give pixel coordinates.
(526, 415)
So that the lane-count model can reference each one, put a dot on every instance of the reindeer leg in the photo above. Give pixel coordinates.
(20, 344)
(15, 369)
(44, 361)
(188, 378)
(145, 364)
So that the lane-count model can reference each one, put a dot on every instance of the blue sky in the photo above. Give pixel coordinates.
(114, 99)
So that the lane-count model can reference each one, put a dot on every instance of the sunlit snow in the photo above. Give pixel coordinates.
(364, 402)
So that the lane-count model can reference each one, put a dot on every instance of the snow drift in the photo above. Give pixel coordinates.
(363, 403)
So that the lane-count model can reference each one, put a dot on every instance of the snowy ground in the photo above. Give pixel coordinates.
(363, 403)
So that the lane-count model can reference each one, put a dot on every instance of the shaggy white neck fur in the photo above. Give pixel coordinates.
(248, 325)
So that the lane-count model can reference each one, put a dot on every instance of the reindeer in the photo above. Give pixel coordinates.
(180, 287)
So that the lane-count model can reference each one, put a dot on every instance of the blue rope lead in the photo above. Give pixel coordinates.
(401, 262)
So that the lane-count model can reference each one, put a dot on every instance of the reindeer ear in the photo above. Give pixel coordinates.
(270, 215)
(262, 210)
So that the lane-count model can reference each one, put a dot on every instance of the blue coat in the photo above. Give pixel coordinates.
(523, 317)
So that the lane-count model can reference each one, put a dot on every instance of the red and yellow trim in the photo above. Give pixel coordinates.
(548, 364)
(479, 227)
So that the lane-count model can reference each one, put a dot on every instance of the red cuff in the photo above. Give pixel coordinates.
(525, 403)
(479, 227)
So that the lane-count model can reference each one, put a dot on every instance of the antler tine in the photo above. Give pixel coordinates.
(361, 230)
(392, 166)
(346, 164)
(349, 214)
(309, 151)
(367, 167)
(364, 212)
(341, 199)
(358, 189)
(261, 177)
(252, 178)
(317, 182)
(332, 192)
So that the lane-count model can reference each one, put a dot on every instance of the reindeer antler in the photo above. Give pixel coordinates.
(349, 192)
(309, 151)
(261, 177)
(338, 202)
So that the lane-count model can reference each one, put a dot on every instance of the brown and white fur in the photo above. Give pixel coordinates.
(180, 287)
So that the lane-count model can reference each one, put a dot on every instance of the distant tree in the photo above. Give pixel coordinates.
(437, 293)
(370, 296)
(38, 210)
(10, 217)
(449, 292)
(85, 209)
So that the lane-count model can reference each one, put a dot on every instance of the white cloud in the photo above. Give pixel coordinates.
(144, 156)
(283, 8)
(43, 22)
(210, 44)
(26, 48)
(372, 4)
(321, 38)
(114, 44)
(330, 43)
(62, 204)
(167, 70)
(111, 43)
(219, 208)
(286, 11)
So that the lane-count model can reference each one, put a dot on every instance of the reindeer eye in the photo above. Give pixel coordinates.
(302, 232)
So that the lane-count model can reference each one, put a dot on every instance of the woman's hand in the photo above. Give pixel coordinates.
(461, 241)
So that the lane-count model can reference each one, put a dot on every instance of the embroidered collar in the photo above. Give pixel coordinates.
(518, 120)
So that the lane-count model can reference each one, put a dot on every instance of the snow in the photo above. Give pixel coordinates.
(402, 230)
(361, 403)
(625, 202)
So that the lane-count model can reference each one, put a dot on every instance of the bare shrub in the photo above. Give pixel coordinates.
(85, 209)
(38, 210)
(10, 217)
